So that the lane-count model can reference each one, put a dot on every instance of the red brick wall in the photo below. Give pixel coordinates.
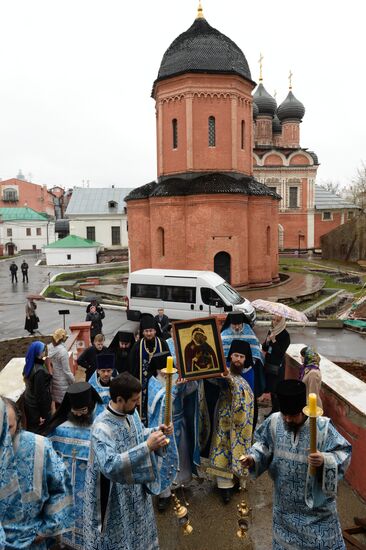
(197, 227)
(30, 194)
(192, 99)
(323, 227)
(292, 223)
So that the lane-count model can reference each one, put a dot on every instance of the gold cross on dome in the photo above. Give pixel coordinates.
(260, 67)
(290, 75)
(200, 11)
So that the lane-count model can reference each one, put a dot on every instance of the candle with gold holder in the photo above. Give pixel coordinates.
(312, 411)
(169, 371)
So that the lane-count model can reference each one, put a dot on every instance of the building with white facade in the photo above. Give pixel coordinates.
(72, 250)
(24, 229)
(100, 215)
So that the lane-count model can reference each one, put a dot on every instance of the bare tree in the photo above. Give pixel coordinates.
(356, 191)
(332, 186)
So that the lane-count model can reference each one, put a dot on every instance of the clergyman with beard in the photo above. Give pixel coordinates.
(233, 424)
(123, 469)
(149, 344)
(304, 506)
(69, 432)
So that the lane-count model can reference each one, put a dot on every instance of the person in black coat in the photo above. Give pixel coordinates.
(13, 270)
(162, 320)
(121, 346)
(37, 394)
(87, 359)
(275, 346)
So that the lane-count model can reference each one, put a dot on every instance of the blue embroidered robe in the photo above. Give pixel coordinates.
(73, 443)
(247, 334)
(304, 507)
(156, 412)
(46, 493)
(120, 454)
(11, 507)
(103, 392)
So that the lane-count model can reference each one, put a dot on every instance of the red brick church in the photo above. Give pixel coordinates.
(206, 210)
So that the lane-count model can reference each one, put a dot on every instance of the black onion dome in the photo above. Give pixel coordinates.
(265, 102)
(291, 108)
(213, 183)
(203, 49)
(255, 110)
(276, 125)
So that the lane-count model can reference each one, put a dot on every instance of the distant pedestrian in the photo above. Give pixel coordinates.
(24, 267)
(13, 270)
(162, 319)
(31, 319)
(94, 302)
(96, 322)
(61, 372)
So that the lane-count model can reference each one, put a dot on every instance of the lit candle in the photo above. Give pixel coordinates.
(169, 365)
(312, 404)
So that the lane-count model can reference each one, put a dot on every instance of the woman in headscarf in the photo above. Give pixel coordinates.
(310, 372)
(37, 395)
(275, 346)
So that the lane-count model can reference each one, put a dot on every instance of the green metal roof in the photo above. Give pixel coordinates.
(24, 213)
(72, 241)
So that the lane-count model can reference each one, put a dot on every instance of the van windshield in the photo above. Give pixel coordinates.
(230, 294)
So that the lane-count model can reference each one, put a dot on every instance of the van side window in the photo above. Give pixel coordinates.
(185, 294)
(209, 296)
(139, 290)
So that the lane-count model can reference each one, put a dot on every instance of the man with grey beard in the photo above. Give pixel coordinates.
(69, 431)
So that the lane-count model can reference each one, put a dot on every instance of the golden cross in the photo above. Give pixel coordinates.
(200, 11)
(260, 67)
(290, 75)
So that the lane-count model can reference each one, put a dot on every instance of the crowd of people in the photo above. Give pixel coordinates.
(117, 451)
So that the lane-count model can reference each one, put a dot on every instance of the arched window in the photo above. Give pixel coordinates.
(175, 133)
(268, 239)
(211, 131)
(161, 241)
(242, 134)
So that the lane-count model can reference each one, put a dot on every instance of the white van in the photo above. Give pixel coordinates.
(183, 294)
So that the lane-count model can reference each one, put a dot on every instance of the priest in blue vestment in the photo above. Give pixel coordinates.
(101, 378)
(185, 441)
(70, 431)
(123, 471)
(143, 350)
(10, 499)
(45, 487)
(304, 506)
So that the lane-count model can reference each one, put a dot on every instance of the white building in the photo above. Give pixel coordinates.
(99, 215)
(72, 250)
(24, 229)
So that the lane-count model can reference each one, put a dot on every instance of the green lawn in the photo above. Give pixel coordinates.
(80, 275)
(300, 265)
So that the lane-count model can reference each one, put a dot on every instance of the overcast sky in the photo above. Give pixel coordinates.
(76, 78)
